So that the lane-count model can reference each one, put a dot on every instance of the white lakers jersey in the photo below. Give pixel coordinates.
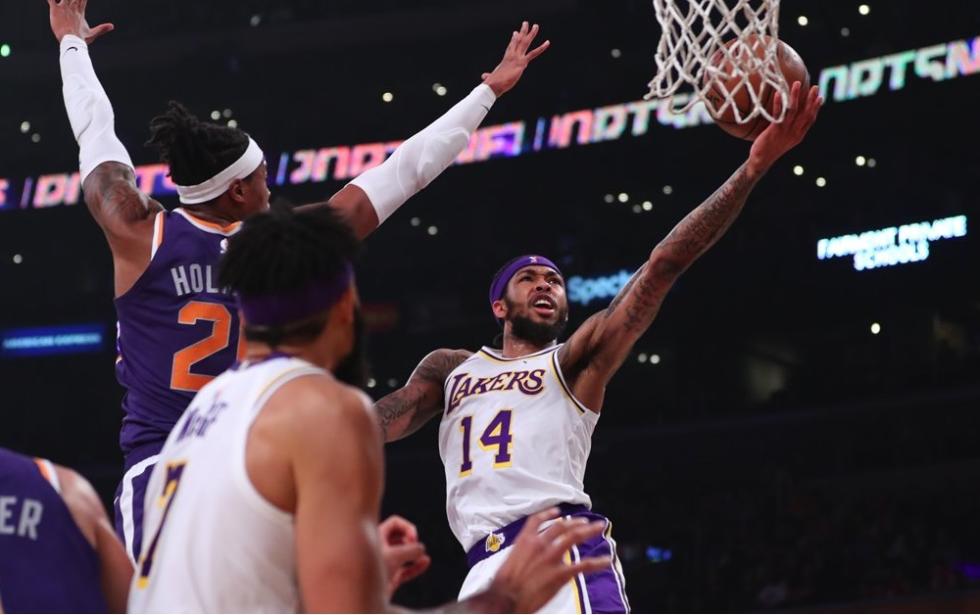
(513, 440)
(211, 543)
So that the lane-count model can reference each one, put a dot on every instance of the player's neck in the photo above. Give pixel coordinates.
(517, 347)
(311, 353)
(212, 212)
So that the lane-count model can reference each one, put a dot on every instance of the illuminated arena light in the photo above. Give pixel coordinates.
(41, 341)
(893, 245)
(841, 83)
(583, 291)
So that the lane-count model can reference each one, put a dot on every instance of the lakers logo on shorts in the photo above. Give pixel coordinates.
(494, 542)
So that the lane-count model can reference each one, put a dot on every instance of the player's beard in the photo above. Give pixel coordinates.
(537, 333)
(353, 369)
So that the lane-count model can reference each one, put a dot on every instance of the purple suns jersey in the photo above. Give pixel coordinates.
(46, 564)
(176, 329)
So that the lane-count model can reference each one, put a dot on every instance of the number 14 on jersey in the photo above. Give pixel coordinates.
(496, 437)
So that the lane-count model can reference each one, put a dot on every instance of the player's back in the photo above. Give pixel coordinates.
(177, 329)
(46, 563)
(212, 542)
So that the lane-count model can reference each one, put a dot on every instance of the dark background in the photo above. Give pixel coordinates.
(785, 456)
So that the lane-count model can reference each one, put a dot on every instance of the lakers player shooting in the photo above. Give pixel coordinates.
(177, 329)
(516, 424)
(267, 492)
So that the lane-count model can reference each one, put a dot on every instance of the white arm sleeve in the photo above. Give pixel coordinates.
(89, 109)
(425, 155)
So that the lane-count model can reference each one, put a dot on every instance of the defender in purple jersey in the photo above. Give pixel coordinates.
(58, 553)
(177, 330)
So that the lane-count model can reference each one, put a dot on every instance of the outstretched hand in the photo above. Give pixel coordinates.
(536, 568)
(779, 138)
(516, 59)
(68, 17)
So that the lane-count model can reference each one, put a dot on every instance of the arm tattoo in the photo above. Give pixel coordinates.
(691, 238)
(421, 397)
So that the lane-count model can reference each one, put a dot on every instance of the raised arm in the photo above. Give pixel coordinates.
(406, 410)
(123, 212)
(368, 200)
(597, 349)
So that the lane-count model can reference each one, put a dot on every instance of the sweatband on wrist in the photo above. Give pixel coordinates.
(425, 155)
(89, 109)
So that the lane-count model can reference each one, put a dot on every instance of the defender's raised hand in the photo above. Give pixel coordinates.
(516, 59)
(68, 17)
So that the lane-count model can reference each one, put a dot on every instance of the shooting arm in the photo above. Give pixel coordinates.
(602, 343)
(406, 410)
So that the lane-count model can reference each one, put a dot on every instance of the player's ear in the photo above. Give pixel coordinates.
(343, 311)
(500, 309)
(237, 191)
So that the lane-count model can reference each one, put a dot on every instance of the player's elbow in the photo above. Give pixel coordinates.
(664, 267)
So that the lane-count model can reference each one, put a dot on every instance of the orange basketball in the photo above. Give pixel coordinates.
(793, 69)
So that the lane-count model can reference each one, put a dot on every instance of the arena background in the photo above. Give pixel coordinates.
(792, 433)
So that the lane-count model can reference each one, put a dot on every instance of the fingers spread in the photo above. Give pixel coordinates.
(527, 38)
(538, 50)
(535, 521)
(578, 531)
(590, 565)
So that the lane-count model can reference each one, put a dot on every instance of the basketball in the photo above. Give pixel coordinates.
(793, 69)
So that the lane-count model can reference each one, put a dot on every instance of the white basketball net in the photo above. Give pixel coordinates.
(693, 51)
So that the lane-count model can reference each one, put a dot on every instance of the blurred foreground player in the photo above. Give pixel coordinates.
(58, 553)
(267, 491)
(517, 423)
(177, 329)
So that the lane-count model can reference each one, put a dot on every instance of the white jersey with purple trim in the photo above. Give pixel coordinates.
(211, 542)
(513, 440)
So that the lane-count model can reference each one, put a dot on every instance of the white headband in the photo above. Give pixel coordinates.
(217, 185)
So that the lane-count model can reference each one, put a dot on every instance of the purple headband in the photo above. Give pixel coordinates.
(499, 285)
(285, 308)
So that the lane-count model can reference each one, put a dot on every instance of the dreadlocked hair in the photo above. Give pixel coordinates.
(281, 251)
(196, 151)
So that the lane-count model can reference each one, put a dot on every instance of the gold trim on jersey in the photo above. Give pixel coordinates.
(564, 386)
(488, 354)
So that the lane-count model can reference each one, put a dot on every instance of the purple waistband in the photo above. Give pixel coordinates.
(494, 542)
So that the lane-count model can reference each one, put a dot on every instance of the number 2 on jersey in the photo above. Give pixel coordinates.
(174, 471)
(496, 437)
(181, 377)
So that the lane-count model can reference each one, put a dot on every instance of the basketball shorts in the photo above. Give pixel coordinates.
(599, 592)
